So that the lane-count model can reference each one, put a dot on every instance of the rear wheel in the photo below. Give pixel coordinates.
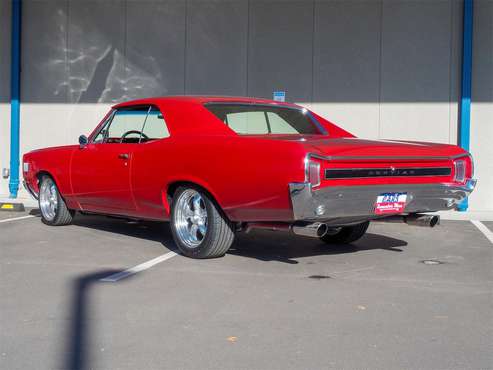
(199, 229)
(346, 234)
(53, 209)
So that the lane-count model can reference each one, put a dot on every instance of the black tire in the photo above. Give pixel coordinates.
(62, 215)
(346, 234)
(219, 234)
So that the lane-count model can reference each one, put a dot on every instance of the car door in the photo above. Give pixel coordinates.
(100, 170)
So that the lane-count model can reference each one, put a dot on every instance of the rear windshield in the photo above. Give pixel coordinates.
(253, 119)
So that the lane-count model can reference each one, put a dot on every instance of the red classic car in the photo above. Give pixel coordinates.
(213, 166)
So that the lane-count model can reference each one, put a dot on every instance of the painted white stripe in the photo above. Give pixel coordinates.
(133, 270)
(486, 232)
(15, 218)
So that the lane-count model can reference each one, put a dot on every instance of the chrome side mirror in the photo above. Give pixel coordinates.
(83, 140)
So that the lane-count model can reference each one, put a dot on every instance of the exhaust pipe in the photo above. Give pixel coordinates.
(414, 220)
(313, 230)
(422, 220)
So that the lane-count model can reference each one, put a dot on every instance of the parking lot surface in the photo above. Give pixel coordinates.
(275, 301)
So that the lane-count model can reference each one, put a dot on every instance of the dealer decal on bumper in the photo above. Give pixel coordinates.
(390, 203)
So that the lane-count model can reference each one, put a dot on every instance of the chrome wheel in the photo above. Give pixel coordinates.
(48, 199)
(190, 218)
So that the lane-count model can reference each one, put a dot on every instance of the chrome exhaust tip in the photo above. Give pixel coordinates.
(414, 220)
(422, 220)
(313, 230)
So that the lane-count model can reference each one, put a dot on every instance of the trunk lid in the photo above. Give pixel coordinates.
(354, 147)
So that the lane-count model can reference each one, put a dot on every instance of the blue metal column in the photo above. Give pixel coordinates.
(465, 99)
(15, 79)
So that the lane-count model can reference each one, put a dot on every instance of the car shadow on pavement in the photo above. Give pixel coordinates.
(259, 244)
(148, 230)
(275, 246)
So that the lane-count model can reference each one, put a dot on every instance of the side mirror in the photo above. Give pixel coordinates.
(83, 140)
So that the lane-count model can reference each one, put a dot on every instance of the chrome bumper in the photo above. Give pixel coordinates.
(29, 190)
(343, 205)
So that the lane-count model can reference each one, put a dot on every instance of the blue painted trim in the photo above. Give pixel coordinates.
(15, 87)
(465, 99)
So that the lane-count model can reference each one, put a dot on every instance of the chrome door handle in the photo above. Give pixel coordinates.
(123, 156)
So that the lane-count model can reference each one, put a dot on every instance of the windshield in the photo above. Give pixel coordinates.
(253, 119)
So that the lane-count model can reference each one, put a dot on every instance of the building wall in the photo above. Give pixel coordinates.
(379, 68)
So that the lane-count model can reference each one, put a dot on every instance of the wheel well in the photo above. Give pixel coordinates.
(175, 185)
(40, 175)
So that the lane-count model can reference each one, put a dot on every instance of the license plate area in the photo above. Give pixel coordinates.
(390, 203)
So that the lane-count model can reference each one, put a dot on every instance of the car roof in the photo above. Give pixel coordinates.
(202, 99)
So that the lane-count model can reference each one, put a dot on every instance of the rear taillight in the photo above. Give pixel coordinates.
(463, 168)
(312, 172)
(460, 170)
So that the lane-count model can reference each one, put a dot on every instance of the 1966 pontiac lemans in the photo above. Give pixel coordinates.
(213, 166)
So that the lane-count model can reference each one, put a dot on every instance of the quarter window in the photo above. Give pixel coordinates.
(256, 119)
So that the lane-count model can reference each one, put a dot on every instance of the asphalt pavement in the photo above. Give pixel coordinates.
(402, 297)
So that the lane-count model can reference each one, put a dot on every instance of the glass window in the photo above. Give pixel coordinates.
(155, 126)
(247, 122)
(279, 125)
(126, 125)
(251, 119)
(99, 138)
(133, 125)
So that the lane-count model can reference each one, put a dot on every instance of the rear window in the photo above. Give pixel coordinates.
(253, 119)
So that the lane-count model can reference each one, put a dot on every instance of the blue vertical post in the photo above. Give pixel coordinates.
(15, 82)
(465, 99)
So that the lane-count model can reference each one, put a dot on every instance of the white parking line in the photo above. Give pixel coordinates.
(133, 270)
(16, 218)
(486, 232)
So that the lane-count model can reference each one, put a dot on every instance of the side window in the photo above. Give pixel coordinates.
(155, 125)
(279, 125)
(248, 122)
(133, 125)
(126, 125)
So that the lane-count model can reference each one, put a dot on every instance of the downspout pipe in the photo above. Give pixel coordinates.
(465, 98)
(15, 89)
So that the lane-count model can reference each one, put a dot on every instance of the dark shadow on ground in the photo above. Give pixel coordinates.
(35, 212)
(148, 230)
(284, 247)
(259, 244)
(77, 353)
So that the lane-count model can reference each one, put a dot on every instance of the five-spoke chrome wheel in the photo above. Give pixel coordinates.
(190, 218)
(48, 199)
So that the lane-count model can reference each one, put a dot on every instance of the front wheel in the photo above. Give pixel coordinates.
(346, 234)
(198, 227)
(54, 211)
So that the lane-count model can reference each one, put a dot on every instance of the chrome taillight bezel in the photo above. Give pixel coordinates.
(463, 168)
(460, 170)
(312, 171)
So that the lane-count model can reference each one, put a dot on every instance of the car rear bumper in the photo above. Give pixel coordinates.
(344, 205)
(29, 189)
